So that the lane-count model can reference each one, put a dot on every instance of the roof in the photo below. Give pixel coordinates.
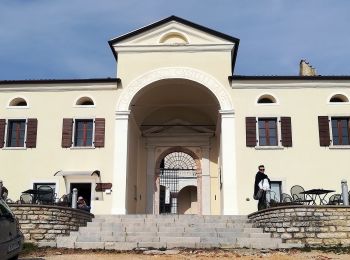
(59, 81)
(183, 21)
(179, 20)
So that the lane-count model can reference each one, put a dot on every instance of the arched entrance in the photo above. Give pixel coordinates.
(171, 107)
(188, 200)
(177, 169)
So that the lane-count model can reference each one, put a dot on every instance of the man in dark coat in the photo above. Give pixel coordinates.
(260, 175)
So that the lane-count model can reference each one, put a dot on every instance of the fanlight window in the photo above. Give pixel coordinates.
(338, 98)
(266, 99)
(18, 102)
(178, 160)
(85, 101)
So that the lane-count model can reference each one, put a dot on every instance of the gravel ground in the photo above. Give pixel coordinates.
(244, 254)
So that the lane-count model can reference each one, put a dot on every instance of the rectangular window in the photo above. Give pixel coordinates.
(16, 133)
(340, 130)
(276, 190)
(83, 132)
(268, 134)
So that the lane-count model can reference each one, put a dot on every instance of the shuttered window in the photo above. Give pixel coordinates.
(268, 132)
(16, 130)
(340, 130)
(323, 128)
(83, 132)
(18, 133)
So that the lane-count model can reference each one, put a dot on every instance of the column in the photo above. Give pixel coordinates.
(228, 163)
(120, 162)
(150, 179)
(206, 183)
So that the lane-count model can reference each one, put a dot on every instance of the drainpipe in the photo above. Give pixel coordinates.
(74, 198)
(1, 189)
(345, 194)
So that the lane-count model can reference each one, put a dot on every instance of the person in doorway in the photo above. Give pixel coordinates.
(261, 185)
(81, 204)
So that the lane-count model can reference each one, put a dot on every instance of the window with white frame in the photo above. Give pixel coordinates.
(16, 131)
(340, 130)
(82, 132)
(268, 132)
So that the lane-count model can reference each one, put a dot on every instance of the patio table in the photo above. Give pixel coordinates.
(317, 193)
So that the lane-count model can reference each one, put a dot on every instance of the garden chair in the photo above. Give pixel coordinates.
(297, 196)
(286, 198)
(45, 195)
(335, 199)
(26, 199)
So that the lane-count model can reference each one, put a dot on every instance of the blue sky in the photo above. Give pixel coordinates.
(69, 38)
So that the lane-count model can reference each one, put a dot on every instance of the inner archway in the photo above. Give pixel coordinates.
(177, 170)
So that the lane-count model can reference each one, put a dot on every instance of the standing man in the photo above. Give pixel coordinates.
(262, 181)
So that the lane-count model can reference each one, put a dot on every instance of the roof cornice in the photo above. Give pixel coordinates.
(59, 84)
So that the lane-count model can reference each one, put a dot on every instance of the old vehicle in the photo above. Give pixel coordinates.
(11, 238)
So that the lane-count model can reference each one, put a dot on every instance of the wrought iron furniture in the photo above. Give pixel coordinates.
(319, 194)
(298, 195)
(26, 199)
(45, 195)
(286, 198)
(335, 199)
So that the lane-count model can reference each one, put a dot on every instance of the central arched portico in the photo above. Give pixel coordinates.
(226, 163)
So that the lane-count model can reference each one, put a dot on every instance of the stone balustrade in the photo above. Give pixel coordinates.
(43, 223)
(309, 225)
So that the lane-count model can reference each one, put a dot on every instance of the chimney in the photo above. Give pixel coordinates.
(305, 69)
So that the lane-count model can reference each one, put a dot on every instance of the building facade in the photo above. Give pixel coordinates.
(176, 131)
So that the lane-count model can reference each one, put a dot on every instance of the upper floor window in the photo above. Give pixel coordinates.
(338, 98)
(268, 132)
(340, 130)
(16, 130)
(15, 133)
(18, 102)
(266, 99)
(85, 101)
(83, 132)
(334, 131)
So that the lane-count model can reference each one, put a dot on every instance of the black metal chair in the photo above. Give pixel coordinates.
(26, 199)
(297, 196)
(335, 199)
(286, 198)
(65, 200)
(45, 195)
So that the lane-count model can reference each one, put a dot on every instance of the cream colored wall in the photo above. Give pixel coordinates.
(214, 176)
(22, 167)
(306, 163)
(217, 64)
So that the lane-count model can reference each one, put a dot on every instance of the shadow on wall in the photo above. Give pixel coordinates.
(187, 200)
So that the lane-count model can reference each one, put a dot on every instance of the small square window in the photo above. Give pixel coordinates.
(83, 132)
(16, 133)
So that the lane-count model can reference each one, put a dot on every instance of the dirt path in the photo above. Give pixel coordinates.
(195, 254)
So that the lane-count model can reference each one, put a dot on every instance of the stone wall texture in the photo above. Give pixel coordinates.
(43, 223)
(310, 225)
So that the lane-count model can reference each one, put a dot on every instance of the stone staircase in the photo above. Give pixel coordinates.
(128, 232)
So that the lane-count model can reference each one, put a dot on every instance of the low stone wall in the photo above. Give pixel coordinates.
(310, 225)
(43, 223)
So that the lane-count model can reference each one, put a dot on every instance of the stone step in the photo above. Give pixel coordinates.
(127, 232)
